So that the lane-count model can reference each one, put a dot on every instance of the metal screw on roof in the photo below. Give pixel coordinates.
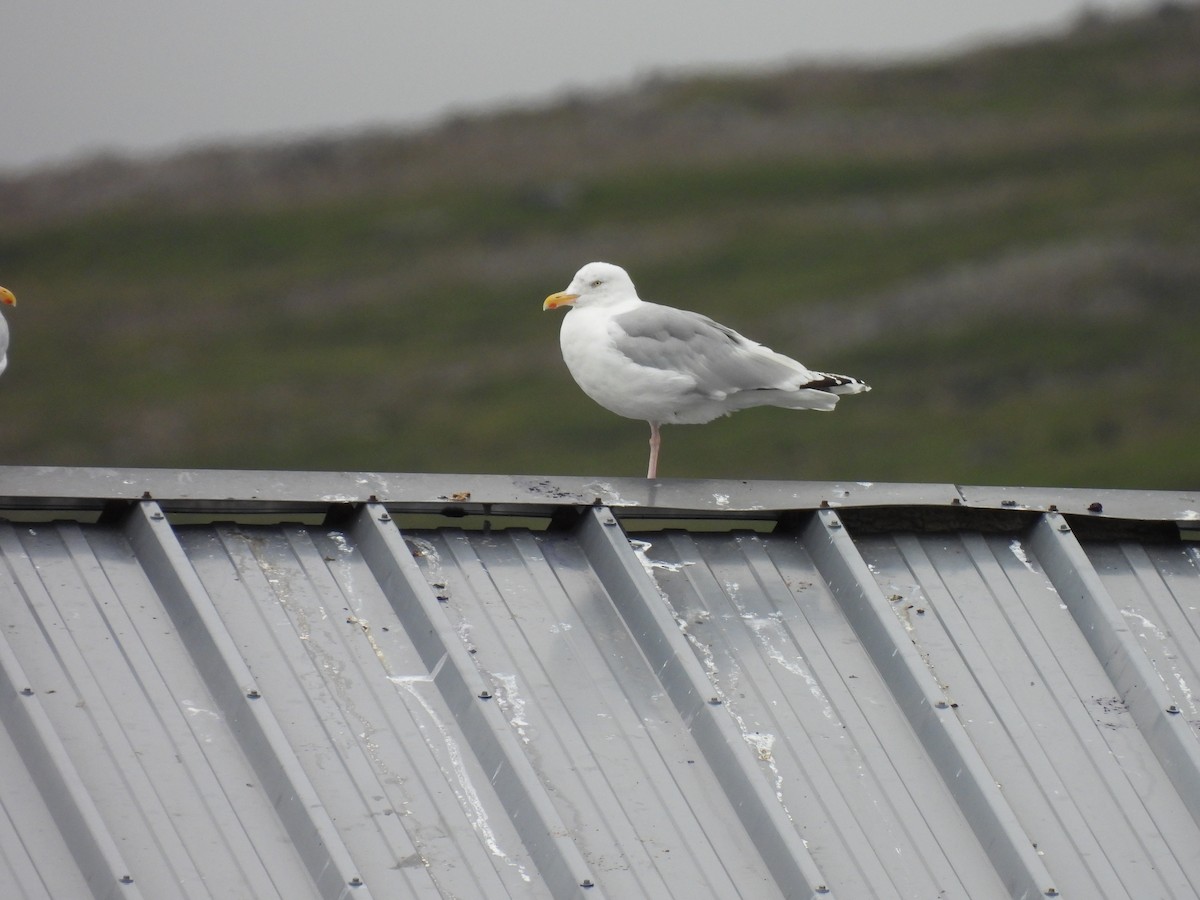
(1008, 502)
(1064, 527)
(714, 701)
(834, 523)
(1096, 507)
(126, 879)
(157, 516)
(485, 695)
(1173, 709)
(586, 883)
(821, 889)
(1051, 892)
(356, 882)
(26, 692)
(253, 694)
(385, 518)
(942, 704)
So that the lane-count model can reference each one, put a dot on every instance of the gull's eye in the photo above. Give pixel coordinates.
(597, 283)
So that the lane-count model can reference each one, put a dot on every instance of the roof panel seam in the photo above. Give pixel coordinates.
(170, 572)
(916, 691)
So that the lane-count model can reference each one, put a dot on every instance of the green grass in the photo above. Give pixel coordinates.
(398, 328)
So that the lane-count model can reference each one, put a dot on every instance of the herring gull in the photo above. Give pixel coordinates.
(670, 366)
(6, 297)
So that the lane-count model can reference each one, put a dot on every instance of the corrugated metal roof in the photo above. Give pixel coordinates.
(252, 684)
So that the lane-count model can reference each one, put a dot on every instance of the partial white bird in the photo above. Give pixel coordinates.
(6, 297)
(670, 366)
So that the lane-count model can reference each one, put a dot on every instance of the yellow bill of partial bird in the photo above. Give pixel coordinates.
(562, 298)
(7, 298)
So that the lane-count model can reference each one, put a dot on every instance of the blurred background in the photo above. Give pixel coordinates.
(302, 237)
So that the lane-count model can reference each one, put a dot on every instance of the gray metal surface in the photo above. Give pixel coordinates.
(182, 490)
(251, 684)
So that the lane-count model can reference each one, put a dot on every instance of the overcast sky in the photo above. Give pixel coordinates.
(157, 75)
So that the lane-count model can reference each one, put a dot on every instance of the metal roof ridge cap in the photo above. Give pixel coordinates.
(1111, 503)
(64, 487)
(172, 485)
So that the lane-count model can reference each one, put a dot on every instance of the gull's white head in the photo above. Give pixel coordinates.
(595, 284)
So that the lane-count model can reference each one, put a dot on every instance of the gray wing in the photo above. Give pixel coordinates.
(717, 358)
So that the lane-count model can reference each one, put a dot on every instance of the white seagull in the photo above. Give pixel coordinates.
(6, 297)
(670, 366)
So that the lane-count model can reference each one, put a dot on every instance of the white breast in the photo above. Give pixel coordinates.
(609, 377)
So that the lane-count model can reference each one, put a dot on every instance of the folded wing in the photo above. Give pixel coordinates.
(723, 365)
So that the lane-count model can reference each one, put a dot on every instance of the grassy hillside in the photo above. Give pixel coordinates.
(1005, 244)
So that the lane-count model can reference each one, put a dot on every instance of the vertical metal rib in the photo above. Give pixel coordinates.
(650, 621)
(216, 655)
(80, 823)
(1126, 664)
(935, 722)
(531, 811)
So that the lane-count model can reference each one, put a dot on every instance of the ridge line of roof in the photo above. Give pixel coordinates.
(50, 487)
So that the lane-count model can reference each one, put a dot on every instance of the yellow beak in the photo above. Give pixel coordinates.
(6, 296)
(562, 298)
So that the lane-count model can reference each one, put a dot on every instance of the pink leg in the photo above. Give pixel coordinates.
(655, 442)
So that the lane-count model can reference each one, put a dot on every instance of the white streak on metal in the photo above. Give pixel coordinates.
(1019, 552)
(513, 704)
(457, 773)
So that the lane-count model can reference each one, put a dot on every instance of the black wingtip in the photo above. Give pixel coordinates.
(827, 382)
